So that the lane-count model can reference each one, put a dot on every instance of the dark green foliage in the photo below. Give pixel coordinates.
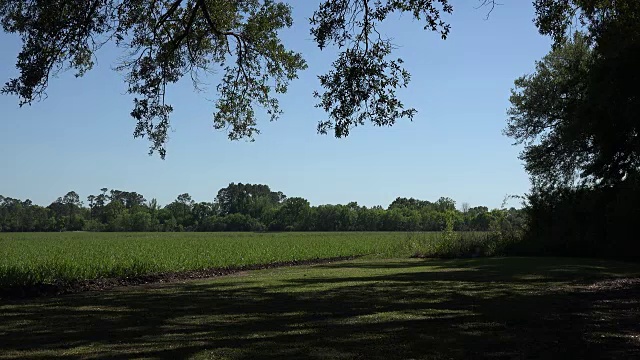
(584, 222)
(247, 199)
(363, 81)
(548, 116)
(163, 41)
(578, 116)
(294, 214)
(450, 245)
(578, 113)
(240, 222)
(231, 222)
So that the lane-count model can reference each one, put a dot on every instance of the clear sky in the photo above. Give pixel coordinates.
(80, 138)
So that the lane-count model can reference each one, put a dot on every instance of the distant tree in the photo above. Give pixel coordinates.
(180, 210)
(133, 200)
(128, 199)
(92, 203)
(241, 222)
(113, 214)
(327, 218)
(140, 220)
(293, 214)
(247, 199)
(11, 214)
(202, 211)
(392, 220)
(478, 210)
(42, 218)
(411, 203)
(97, 204)
(369, 219)
(67, 211)
(72, 200)
(445, 204)
(153, 205)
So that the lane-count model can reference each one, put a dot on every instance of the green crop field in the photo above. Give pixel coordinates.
(383, 305)
(41, 258)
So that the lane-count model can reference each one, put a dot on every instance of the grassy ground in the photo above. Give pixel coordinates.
(364, 309)
(44, 258)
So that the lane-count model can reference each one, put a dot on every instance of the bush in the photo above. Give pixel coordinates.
(449, 244)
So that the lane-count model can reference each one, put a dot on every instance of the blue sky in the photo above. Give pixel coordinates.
(80, 137)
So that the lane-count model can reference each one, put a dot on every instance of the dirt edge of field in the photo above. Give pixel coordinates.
(61, 288)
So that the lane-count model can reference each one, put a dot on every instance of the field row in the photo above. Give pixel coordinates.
(37, 258)
(41, 258)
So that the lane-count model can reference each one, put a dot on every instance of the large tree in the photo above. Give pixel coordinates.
(247, 199)
(166, 40)
(547, 115)
(578, 113)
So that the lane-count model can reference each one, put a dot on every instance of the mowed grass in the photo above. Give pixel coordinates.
(498, 308)
(42, 258)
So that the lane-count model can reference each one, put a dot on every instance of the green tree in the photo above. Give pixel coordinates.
(445, 204)
(68, 212)
(240, 222)
(411, 203)
(180, 210)
(370, 219)
(247, 199)
(577, 114)
(202, 211)
(97, 204)
(140, 220)
(548, 116)
(293, 214)
(326, 218)
(72, 201)
(113, 214)
(11, 214)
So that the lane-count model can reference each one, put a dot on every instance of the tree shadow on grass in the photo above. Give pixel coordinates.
(489, 308)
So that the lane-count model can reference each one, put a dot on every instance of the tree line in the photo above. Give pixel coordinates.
(244, 207)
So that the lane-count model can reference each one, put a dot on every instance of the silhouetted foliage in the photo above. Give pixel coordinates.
(577, 116)
(594, 222)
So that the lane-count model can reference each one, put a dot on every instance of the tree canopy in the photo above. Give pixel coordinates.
(166, 40)
(578, 117)
(578, 113)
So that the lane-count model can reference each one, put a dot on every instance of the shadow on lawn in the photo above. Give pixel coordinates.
(457, 309)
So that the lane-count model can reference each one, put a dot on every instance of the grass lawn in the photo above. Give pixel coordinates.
(363, 309)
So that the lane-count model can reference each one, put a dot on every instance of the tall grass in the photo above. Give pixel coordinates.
(458, 244)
